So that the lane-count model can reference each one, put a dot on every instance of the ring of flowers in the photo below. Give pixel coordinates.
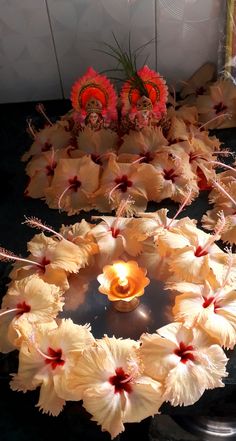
(121, 380)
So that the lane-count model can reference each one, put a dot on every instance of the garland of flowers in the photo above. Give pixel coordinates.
(120, 380)
(90, 161)
(83, 161)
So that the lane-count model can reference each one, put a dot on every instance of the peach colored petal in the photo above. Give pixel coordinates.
(49, 402)
(187, 360)
(92, 379)
(54, 136)
(147, 140)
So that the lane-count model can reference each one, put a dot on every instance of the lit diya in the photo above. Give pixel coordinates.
(123, 283)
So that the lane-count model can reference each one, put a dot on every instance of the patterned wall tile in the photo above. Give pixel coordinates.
(28, 69)
(187, 35)
(80, 27)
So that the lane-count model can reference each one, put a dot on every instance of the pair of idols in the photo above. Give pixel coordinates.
(96, 103)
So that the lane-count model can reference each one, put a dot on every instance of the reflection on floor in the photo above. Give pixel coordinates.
(163, 428)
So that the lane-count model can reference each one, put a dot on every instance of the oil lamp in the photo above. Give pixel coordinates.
(123, 283)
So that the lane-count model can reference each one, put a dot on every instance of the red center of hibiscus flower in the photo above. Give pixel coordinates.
(46, 147)
(74, 183)
(203, 183)
(55, 359)
(199, 252)
(220, 107)
(200, 90)
(146, 157)
(96, 158)
(121, 381)
(115, 232)
(183, 352)
(170, 175)
(23, 307)
(43, 263)
(50, 169)
(123, 183)
(207, 302)
(73, 143)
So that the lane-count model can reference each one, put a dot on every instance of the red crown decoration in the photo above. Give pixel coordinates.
(153, 104)
(94, 94)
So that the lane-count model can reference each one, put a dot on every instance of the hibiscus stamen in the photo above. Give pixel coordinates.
(7, 256)
(52, 164)
(62, 195)
(222, 152)
(34, 222)
(184, 203)
(193, 156)
(121, 209)
(230, 264)
(144, 157)
(110, 197)
(226, 279)
(221, 164)
(225, 192)
(41, 109)
(53, 357)
(31, 130)
(21, 308)
(215, 118)
(202, 251)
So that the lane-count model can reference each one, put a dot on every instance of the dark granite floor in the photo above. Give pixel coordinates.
(19, 419)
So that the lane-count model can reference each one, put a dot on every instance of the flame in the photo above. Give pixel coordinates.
(122, 272)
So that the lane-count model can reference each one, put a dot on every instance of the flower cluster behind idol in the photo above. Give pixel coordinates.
(102, 153)
(90, 158)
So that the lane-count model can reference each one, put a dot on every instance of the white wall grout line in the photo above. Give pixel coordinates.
(155, 12)
(55, 50)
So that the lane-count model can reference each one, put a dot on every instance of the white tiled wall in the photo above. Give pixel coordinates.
(46, 44)
(28, 69)
(188, 35)
(81, 26)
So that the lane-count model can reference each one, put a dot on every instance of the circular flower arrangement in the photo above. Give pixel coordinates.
(121, 380)
(82, 162)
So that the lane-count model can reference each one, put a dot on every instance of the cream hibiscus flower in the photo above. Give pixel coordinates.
(224, 198)
(55, 136)
(193, 254)
(120, 182)
(28, 301)
(218, 108)
(154, 224)
(98, 143)
(74, 182)
(41, 170)
(188, 362)
(143, 145)
(174, 176)
(198, 83)
(46, 361)
(118, 235)
(51, 259)
(200, 158)
(113, 385)
(213, 309)
(209, 221)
